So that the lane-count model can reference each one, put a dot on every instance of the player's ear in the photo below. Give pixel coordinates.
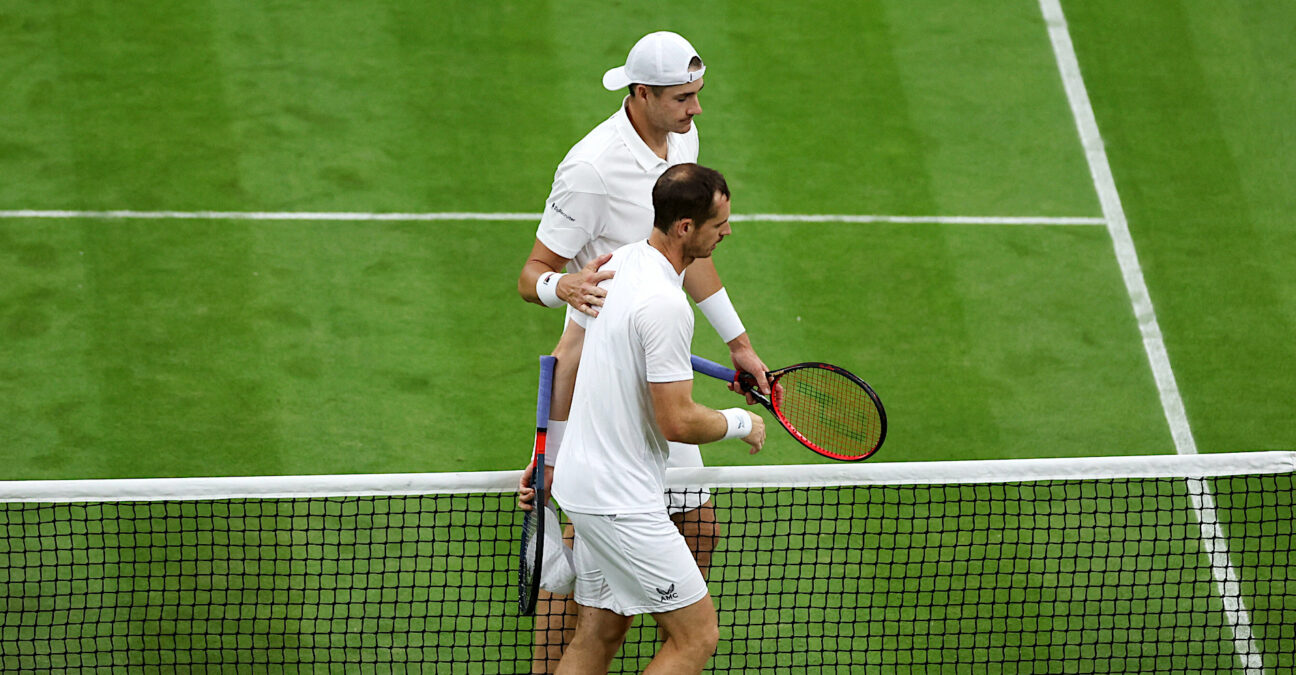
(684, 225)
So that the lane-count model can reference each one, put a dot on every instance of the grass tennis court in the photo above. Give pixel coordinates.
(213, 347)
(201, 346)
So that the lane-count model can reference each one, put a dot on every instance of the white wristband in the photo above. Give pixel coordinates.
(740, 423)
(723, 317)
(553, 441)
(547, 289)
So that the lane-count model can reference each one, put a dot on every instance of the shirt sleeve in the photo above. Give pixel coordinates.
(579, 318)
(665, 328)
(575, 212)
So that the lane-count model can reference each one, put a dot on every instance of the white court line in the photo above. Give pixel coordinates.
(1213, 537)
(261, 215)
(916, 220)
(531, 217)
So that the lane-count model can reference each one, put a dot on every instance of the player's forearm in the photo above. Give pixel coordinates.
(684, 421)
(701, 281)
(531, 272)
(542, 263)
(568, 351)
(694, 423)
(741, 343)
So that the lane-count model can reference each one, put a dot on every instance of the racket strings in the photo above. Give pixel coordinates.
(531, 541)
(830, 410)
(529, 560)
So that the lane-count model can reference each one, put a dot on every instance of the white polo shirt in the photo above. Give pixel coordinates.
(601, 198)
(613, 458)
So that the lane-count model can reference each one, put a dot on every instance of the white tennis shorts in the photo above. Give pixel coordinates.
(680, 501)
(634, 563)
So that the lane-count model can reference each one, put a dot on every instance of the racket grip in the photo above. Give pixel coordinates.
(713, 369)
(546, 391)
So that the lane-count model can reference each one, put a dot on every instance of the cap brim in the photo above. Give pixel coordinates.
(616, 79)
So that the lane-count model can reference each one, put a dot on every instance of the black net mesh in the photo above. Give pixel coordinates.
(1039, 577)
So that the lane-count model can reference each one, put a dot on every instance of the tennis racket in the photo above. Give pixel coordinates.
(531, 543)
(827, 408)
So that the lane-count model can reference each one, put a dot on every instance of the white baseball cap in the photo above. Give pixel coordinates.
(659, 59)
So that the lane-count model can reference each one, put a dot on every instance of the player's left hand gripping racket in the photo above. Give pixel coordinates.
(827, 408)
(531, 544)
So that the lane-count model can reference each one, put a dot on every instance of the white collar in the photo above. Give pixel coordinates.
(638, 148)
(667, 267)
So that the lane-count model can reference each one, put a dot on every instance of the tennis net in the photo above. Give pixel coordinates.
(1138, 564)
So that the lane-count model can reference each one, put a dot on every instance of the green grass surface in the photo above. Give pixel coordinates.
(333, 348)
(1202, 149)
(143, 348)
(136, 348)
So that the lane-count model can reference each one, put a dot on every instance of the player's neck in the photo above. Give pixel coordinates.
(653, 137)
(670, 247)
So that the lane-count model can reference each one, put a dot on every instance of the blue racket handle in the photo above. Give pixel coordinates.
(713, 369)
(546, 391)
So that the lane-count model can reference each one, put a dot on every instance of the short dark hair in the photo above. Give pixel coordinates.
(686, 191)
(656, 90)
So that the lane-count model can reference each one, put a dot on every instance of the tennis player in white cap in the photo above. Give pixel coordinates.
(601, 199)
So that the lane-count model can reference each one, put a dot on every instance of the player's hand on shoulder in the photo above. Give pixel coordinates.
(756, 439)
(581, 289)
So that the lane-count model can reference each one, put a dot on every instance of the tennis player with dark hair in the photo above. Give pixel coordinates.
(602, 199)
(633, 394)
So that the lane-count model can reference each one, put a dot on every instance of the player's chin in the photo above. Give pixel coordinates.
(684, 126)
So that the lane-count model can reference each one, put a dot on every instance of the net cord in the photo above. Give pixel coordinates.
(810, 475)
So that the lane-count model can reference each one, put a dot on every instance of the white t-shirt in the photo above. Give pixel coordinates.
(613, 458)
(601, 198)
